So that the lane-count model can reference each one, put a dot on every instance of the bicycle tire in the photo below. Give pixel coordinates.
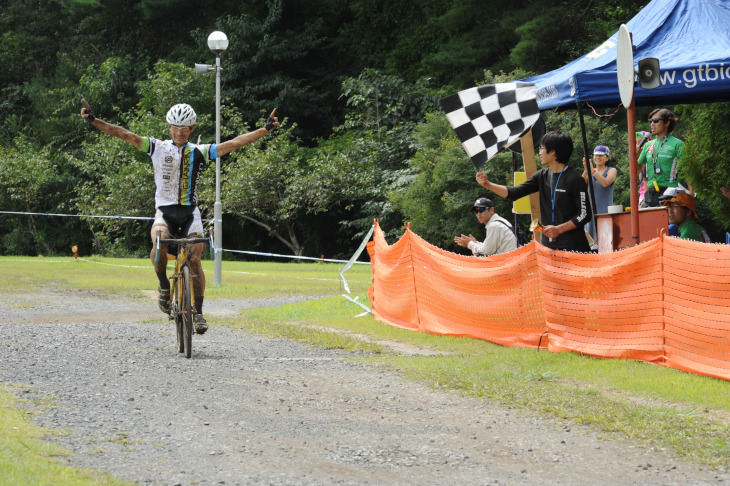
(187, 311)
(175, 311)
(180, 330)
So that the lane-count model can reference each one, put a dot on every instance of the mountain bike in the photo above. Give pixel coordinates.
(182, 300)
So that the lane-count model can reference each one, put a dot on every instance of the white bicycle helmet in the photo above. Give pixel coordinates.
(181, 115)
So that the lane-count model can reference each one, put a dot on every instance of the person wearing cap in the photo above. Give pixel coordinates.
(682, 212)
(603, 179)
(500, 237)
(661, 156)
(564, 208)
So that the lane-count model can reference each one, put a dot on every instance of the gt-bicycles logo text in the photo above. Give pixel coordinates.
(693, 76)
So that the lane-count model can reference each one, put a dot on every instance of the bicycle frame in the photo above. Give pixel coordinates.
(182, 298)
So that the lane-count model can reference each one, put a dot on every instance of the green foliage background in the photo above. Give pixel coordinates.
(356, 84)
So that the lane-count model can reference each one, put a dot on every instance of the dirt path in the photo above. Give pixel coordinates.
(250, 410)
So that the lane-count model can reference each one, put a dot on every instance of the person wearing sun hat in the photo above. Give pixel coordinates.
(683, 212)
(603, 179)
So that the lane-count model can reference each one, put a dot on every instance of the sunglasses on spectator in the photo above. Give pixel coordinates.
(480, 210)
(656, 120)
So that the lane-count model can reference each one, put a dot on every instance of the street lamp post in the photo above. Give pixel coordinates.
(217, 42)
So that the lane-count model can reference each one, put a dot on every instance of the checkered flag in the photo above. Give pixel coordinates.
(489, 118)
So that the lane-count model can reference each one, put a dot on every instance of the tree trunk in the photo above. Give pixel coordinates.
(292, 243)
(36, 235)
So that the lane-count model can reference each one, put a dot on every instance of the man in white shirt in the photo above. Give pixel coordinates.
(177, 165)
(500, 237)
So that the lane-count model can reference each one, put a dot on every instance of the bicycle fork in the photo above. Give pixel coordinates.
(177, 279)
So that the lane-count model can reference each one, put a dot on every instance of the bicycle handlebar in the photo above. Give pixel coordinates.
(173, 241)
(184, 241)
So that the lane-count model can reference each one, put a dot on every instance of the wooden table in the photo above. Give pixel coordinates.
(614, 230)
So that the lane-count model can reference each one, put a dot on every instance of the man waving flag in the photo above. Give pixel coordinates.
(488, 118)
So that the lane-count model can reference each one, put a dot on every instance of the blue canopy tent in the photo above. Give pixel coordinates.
(691, 39)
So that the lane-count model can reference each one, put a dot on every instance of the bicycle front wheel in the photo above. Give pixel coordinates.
(180, 330)
(187, 311)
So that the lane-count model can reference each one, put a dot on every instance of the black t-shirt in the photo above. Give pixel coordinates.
(563, 197)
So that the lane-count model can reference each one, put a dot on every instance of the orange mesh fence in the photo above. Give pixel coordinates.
(697, 307)
(664, 301)
(607, 305)
(393, 285)
(421, 287)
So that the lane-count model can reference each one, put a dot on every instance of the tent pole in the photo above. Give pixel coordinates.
(633, 171)
(528, 159)
(516, 228)
(585, 154)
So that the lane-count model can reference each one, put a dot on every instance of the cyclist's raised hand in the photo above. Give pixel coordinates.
(272, 122)
(234, 144)
(87, 113)
(113, 130)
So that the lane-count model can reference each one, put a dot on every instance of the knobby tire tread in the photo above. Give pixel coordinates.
(187, 311)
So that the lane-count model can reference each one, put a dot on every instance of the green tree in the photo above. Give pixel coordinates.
(706, 162)
(283, 54)
(255, 188)
(384, 111)
(36, 180)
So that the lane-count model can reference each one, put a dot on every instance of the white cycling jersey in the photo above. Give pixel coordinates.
(177, 169)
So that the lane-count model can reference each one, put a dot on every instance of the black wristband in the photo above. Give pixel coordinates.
(91, 116)
(270, 124)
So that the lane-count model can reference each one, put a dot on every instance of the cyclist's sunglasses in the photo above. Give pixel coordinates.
(479, 210)
(656, 120)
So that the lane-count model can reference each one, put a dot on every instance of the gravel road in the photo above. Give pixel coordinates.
(249, 410)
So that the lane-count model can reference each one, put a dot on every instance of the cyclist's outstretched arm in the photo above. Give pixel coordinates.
(247, 138)
(113, 130)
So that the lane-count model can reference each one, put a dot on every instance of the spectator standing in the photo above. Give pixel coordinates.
(641, 139)
(500, 237)
(564, 208)
(603, 179)
(661, 156)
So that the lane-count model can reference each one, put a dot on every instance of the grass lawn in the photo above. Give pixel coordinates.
(25, 458)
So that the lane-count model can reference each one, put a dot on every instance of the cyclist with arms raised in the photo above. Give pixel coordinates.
(177, 167)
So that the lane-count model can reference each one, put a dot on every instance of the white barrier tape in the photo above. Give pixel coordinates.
(350, 262)
(288, 256)
(78, 215)
(354, 257)
(367, 309)
(115, 265)
(42, 261)
(73, 260)
(169, 266)
(289, 276)
(146, 218)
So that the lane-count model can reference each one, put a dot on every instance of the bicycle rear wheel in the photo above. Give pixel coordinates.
(187, 311)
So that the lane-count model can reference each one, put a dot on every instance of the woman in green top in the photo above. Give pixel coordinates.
(661, 156)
